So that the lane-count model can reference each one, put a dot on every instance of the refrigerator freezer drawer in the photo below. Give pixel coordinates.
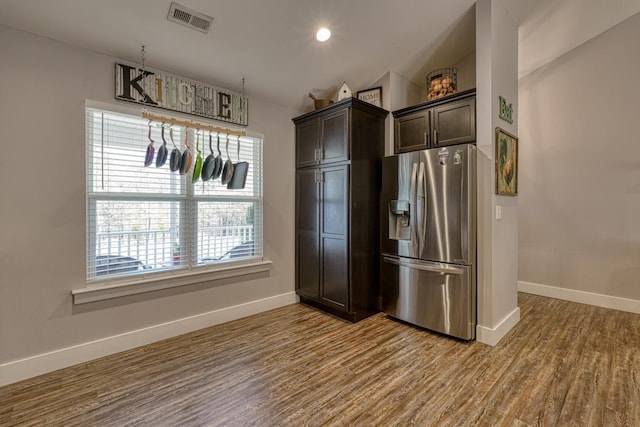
(433, 295)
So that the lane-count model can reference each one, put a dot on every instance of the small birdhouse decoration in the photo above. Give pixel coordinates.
(344, 92)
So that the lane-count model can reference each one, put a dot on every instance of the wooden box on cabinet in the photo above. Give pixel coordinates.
(447, 121)
(338, 177)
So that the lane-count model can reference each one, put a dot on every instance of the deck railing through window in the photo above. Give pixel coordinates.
(160, 248)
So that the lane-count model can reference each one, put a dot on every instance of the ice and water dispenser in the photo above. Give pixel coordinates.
(399, 220)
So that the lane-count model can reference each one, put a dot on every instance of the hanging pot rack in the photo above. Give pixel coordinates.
(191, 125)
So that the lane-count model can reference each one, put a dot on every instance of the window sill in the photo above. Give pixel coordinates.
(94, 292)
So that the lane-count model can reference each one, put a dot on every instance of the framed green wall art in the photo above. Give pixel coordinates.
(506, 163)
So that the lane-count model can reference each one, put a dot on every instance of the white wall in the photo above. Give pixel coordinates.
(466, 72)
(43, 87)
(496, 75)
(579, 202)
(397, 93)
(555, 27)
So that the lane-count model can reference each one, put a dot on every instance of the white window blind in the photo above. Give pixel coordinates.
(142, 219)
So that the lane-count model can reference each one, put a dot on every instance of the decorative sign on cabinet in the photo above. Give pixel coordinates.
(338, 177)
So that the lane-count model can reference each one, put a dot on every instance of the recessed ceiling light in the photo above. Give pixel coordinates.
(323, 35)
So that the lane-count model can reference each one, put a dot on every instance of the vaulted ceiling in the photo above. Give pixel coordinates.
(271, 43)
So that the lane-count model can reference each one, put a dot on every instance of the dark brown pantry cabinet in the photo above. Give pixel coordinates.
(338, 177)
(447, 121)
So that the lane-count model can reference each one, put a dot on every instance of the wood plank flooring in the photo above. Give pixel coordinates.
(564, 364)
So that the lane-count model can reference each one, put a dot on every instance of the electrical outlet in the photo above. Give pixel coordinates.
(498, 212)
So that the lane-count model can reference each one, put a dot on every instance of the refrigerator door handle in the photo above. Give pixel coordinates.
(413, 199)
(422, 265)
(421, 208)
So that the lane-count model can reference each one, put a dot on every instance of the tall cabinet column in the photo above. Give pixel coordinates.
(338, 179)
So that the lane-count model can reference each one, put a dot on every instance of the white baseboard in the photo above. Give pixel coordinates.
(599, 300)
(492, 336)
(47, 362)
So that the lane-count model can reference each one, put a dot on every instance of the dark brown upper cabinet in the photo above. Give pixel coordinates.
(412, 132)
(447, 121)
(323, 140)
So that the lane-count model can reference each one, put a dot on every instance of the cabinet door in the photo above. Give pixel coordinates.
(334, 234)
(307, 143)
(334, 134)
(307, 233)
(454, 123)
(412, 132)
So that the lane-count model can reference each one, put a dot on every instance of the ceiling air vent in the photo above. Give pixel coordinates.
(190, 18)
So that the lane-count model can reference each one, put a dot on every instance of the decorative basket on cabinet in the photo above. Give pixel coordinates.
(441, 82)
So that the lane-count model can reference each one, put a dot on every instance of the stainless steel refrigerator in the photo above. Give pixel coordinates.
(428, 273)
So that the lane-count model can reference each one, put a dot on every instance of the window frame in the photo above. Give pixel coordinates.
(190, 272)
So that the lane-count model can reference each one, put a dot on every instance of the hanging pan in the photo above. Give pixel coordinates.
(148, 158)
(209, 163)
(240, 170)
(197, 168)
(217, 168)
(161, 158)
(227, 170)
(187, 156)
(176, 156)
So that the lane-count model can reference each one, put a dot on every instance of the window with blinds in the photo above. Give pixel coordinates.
(142, 219)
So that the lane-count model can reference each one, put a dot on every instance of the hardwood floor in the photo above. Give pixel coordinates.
(563, 364)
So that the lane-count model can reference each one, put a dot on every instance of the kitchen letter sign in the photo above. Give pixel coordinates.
(176, 93)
